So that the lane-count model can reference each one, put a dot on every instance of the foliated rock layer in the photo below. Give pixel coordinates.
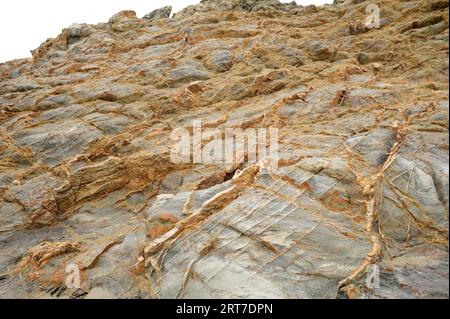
(360, 191)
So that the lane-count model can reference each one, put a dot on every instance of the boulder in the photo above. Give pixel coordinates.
(160, 13)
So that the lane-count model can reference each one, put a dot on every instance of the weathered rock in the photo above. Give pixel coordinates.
(320, 51)
(78, 31)
(437, 4)
(238, 5)
(160, 13)
(87, 178)
(222, 60)
(123, 16)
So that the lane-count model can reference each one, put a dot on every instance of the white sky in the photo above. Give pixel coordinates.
(25, 24)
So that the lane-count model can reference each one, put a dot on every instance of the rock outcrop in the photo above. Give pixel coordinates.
(160, 13)
(359, 192)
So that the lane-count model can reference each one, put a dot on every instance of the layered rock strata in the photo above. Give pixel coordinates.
(360, 187)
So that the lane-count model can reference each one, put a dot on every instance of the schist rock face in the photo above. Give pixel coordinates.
(355, 204)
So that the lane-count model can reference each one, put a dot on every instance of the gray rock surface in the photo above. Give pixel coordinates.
(160, 13)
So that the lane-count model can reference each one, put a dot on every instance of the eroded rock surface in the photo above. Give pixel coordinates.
(86, 177)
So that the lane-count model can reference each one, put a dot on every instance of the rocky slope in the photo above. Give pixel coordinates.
(86, 177)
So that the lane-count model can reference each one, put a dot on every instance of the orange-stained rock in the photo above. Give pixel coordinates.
(360, 187)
